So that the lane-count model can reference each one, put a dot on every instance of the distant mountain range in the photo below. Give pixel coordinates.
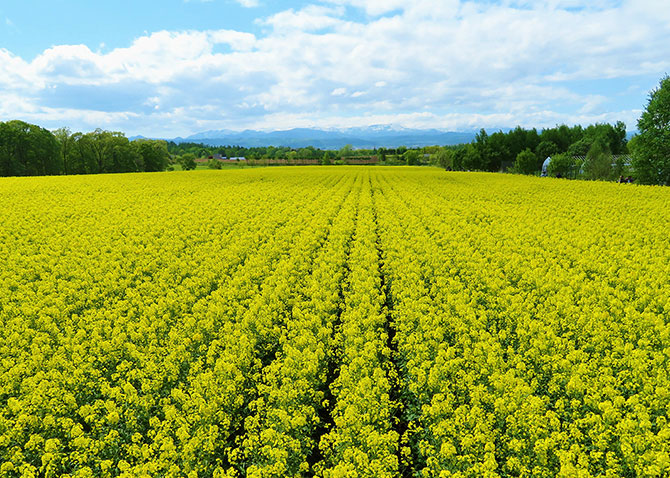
(378, 136)
(360, 138)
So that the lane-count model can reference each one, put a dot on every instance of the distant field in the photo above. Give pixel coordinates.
(333, 321)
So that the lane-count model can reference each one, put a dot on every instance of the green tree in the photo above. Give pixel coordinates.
(214, 164)
(612, 136)
(327, 158)
(112, 152)
(411, 157)
(483, 150)
(617, 138)
(100, 144)
(124, 157)
(43, 154)
(526, 162)
(619, 167)
(27, 150)
(83, 160)
(562, 136)
(459, 157)
(444, 158)
(651, 148)
(307, 153)
(598, 163)
(580, 148)
(497, 151)
(65, 144)
(154, 154)
(270, 152)
(561, 165)
(187, 161)
(472, 158)
(519, 139)
(346, 151)
(103, 152)
(545, 150)
(6, 156)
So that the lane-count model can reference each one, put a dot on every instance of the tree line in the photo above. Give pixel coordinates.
(598, 151)
(519, 150)
(30, 150)
(183, 153)
(524, 150)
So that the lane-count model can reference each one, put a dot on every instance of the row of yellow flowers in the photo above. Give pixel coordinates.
(532, 323)
(339, 322)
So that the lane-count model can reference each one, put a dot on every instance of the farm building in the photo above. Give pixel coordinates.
(624, 159)
(545, 166)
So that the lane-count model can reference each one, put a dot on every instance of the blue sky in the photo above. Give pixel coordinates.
(177, 67)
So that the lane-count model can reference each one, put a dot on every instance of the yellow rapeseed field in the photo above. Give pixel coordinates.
(333, 322)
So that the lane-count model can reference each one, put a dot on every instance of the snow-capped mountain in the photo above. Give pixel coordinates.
(375, 136)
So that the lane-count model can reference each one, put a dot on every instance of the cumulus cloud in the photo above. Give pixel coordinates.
(447, 64)
(310, 18)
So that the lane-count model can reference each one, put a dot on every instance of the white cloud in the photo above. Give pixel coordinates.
(373, 7)
(308, 19)
(239, 41)
(248, 3)
(445, 64)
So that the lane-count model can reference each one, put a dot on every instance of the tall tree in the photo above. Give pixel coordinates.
(481, 145)
(598, 163)
(612, 136)
(27, 150)
(187, 161)
(411, 157)
(346, 151)
(472, 158)
(651, 148)
(546, 149)
(444, 158)
(123, 156)
(154, 154)
(519, 139)
(65, 144)
(6, 156)
(562, 136)
(562, 164)
(101, 145)
(82, 160)
(498, 151)
(526, 162)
